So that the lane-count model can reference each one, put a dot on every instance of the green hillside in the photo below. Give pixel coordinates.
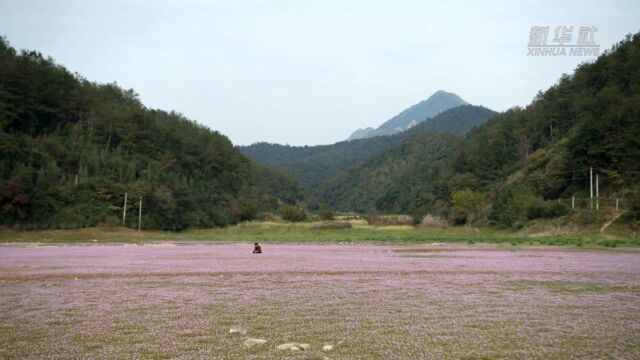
(506, 168)
(314, 165)
(70, 149)
(401, 180)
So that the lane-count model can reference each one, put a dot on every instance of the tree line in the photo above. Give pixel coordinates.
(71, 148)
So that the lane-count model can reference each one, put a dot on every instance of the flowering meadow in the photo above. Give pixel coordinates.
(204, 301)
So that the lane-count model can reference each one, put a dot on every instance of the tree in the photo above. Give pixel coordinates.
(467, 206)
(292, 213)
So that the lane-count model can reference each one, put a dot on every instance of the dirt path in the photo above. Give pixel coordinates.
(614, 218)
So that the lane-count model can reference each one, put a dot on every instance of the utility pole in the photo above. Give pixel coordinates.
(124, 210)
(597, 194)
(591, 187)
(140, 215)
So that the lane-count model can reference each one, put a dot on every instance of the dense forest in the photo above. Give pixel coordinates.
(315, 165)
(506, 168)
(71, 148)
(401, 180)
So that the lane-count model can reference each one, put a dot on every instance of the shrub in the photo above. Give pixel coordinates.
(466, 206)
(609, 243)
(537, 208)
(430, 221)
(555, 209)
(292, 213)
(246, 209)
(325, 213)
(515, 205)
(510, 206)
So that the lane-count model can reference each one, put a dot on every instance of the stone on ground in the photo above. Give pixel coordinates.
(238, 330)
(251, 342)
(327, 347)
(293, 346)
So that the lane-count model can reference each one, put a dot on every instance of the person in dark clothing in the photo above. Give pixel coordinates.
(257, 249)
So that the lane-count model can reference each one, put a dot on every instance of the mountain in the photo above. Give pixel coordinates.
(70, 149)
(360, 133)
(313, 165)
(507, 169)
(435, 104)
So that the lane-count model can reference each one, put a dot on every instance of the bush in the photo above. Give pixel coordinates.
(325, 213)
(610, 243)
(245, 209)
(537, 208)
(516, 205)
(292, 213)
(466, 206)
(510, 206)
(555, 209)
(430, 221)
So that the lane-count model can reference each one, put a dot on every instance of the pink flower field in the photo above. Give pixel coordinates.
(203, 301)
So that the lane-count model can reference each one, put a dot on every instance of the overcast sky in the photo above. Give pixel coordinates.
(308, 72)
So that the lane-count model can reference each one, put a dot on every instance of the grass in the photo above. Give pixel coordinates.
(571, 287)
(281, 232)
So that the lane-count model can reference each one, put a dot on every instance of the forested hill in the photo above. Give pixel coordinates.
(519, 158)
(313, 165)
(70, 149)
(399, 180)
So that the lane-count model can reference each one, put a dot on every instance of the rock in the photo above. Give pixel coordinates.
(286, 346)
(238, 330)
(293, 346)
(327, 347)
(251, 342)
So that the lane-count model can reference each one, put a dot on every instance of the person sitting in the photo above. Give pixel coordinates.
(257, 249)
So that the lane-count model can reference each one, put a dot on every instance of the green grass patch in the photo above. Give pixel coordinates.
(571, 288)
(282, 232)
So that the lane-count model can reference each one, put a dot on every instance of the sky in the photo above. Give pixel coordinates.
(309, 72)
